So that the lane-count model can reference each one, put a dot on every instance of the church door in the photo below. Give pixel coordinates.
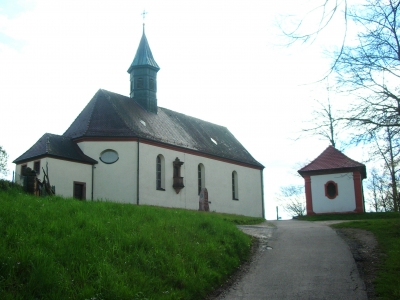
(203, 200)
(80, 190)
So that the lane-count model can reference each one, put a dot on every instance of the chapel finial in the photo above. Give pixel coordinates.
(144, 13)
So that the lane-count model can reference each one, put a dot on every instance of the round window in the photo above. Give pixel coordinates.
(109, 156)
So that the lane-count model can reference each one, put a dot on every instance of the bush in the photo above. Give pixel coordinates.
(6, 185)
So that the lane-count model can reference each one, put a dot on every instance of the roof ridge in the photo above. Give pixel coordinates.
(341, 153)
(95, 98)
(108, 98)
(204, 121)
(332, 159)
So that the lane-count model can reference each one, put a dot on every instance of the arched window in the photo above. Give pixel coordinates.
(200, 177)
(331, 189)
(235, 194)
(160, 173)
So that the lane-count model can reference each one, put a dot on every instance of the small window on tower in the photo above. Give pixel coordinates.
(140, 83)
(151, 84)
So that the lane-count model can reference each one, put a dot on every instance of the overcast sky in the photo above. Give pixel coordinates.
(221, 61)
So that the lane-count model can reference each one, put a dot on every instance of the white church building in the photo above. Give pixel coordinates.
(129, 150)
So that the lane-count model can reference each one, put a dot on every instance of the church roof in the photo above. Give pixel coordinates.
(110, 115)
(57, 146)
(143, 56)
(332, 160)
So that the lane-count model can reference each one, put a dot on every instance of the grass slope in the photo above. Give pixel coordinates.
(55, 248)
(386, 228)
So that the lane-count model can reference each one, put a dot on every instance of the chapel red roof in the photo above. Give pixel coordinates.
(332, 160)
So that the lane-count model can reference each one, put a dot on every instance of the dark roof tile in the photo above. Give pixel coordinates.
(55, 146)
(112, 115)
(143, 56)
(332, 159)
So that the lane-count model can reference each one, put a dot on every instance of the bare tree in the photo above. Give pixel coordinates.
(292, 199)
(3, 161)
(373, 186)
(308, 27)
(369, 69)
(320, 16)
(380, 197)
(387, 149)
(323, 123)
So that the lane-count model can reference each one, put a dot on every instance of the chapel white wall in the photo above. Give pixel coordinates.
(116, 181)
(62, 175)
(345, 200)
(218, 181)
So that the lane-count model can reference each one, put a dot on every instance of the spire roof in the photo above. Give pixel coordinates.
(331, 160)
(143, 56)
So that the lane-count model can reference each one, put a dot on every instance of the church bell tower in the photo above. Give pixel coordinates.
(143, 77)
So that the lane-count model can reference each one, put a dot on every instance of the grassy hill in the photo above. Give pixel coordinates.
(56, 248)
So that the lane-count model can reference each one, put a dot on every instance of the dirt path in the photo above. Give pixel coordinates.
(364, 248)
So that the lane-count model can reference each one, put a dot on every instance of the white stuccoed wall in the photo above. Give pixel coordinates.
(118, 181)
(62, 175)
(115, 181)
(344, 202)
(218, 181)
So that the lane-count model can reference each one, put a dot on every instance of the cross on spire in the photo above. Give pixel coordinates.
(144, 13)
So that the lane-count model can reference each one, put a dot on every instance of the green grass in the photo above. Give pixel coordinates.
(55, 248)
(363, 216)
(386, 228)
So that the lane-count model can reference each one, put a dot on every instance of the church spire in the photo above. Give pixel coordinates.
(143, 76)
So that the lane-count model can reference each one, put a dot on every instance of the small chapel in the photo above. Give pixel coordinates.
(333, 183)
(130, 150)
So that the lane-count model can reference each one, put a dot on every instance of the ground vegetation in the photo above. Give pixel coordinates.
(56, 248)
